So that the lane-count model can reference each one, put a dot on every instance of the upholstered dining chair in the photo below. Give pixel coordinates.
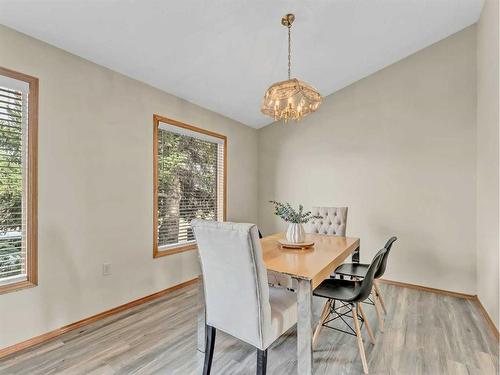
(237, 295)
(350, 294)
(333, 222)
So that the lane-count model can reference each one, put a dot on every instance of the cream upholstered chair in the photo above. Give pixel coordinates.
(333, 222)
(237, 295)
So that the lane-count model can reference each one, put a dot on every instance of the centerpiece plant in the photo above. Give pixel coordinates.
(296, 218)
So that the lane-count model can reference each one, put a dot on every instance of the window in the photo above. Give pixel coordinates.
(18, 174)
(189, 182)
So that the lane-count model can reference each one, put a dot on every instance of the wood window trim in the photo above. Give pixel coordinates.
(157, 119)
(32, 193)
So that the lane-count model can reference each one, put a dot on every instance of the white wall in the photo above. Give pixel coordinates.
(95, 188)
(487, 159)
(397, 148)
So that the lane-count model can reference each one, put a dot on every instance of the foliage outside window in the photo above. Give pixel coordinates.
(189, 182)
(18, 105)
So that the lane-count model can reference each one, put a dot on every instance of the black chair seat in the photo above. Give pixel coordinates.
(338, 289)
(352, 269)
(360, 269)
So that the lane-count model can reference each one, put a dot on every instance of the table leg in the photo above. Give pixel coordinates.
(201, 315)
(304, 328)
(355, 255)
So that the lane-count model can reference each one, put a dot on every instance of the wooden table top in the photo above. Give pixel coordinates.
(315, 264)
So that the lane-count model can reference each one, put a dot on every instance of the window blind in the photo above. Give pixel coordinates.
(190, 170)
(13, 184)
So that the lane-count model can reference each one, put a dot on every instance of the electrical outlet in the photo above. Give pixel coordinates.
(106, 269)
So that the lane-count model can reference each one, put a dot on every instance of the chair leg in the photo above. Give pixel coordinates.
(359, 338)
(209, 349)
(261, 362)
(377, 310)
(324, 315)
(367, 324)
(379, 295)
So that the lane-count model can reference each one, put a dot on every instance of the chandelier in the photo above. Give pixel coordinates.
(291, 99)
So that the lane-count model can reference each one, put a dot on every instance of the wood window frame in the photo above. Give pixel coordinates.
(157, 119)
(32, 184)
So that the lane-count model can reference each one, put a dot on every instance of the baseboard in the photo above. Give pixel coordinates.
(487, 317)
(427, 289)
(57, 332)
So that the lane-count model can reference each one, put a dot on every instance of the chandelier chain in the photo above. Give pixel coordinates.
(289, 50)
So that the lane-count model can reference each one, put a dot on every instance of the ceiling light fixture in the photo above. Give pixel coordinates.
(291, 99)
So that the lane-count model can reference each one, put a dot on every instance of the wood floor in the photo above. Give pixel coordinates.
(425, 333)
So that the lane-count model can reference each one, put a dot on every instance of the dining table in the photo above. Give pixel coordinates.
(309, 267)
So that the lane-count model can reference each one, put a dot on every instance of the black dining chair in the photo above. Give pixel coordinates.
(358, 270)
(349, 294)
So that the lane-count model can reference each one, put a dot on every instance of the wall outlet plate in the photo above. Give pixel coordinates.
(106, 269)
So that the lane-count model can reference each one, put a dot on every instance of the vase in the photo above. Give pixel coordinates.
(295, 233)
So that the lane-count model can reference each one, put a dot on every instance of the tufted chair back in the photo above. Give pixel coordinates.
(334, 221)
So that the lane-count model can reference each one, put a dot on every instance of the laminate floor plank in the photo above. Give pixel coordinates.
(425, 334)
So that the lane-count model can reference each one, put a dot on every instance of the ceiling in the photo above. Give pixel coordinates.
(223, 54)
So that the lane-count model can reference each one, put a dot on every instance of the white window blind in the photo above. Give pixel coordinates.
(190, 170)
(13, 179)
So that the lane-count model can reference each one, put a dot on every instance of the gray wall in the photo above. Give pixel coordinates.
(95, 188)
(397, 148)
(487, 159)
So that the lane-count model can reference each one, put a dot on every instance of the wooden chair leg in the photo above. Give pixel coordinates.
(261, 362)
(359, 338)
(367, 324)
(324, 315)
(209, 349)
(377, 310)
(379, 295)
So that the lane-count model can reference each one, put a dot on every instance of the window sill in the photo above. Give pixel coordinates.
(175, 250)
(16, 286)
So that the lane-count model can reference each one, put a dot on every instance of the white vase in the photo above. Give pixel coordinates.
(295, 233)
